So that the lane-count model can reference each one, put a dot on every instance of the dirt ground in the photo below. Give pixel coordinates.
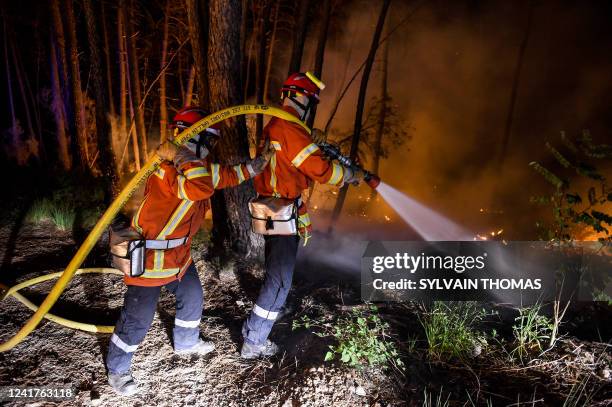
(54, 355)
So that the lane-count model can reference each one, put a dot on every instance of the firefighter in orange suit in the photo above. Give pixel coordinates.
(297, 161)
(173, 208)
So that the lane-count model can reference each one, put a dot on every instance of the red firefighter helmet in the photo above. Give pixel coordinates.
(187, 117)
(302, 84)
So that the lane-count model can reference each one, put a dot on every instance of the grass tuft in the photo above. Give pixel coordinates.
(451, 331)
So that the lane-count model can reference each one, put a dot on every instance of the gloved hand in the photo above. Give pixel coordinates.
(167, 150)
(354, 175)
(261, 161)
(318, 136)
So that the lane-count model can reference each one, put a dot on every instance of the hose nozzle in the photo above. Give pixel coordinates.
(372, 180)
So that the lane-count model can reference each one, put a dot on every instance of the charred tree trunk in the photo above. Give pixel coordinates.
(24, 98)
(321, 42)
(130, 90)
(515, 85)
(57, 50)
(360, 105)
(247, 59)
(77, 93)
(109, 75)
(190, 83)
(107, 161)
(15, 133)
(318, 70)
(63, 145)
(231, 222)
(261, 67)
(163, 109)
(122, 83)
(243, 41)
(382, 116)
(299, 37)
(197, 21)
(135, 72)
(62, 62)
(271, 51)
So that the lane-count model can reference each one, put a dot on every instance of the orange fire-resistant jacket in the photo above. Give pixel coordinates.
(174, 206)
(296, 162)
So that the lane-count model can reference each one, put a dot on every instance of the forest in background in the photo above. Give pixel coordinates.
(93, 93)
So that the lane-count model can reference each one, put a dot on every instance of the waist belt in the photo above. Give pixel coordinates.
(165, 244)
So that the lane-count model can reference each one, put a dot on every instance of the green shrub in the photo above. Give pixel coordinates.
(39, 211)
(362, 339)
(62, 216)
(530, 330)
(450, 329)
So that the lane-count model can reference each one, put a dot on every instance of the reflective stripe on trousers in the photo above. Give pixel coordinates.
(280, 253)
(139, 305)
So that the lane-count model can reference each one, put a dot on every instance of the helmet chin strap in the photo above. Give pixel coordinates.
(303, 110)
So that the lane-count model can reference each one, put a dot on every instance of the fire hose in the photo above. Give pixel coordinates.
(72, 269)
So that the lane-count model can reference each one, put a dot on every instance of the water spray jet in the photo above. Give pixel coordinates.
(429, 224)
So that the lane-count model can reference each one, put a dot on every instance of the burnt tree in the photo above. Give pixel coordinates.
(361, 104)
(320, 52)
(231, 234)
(197, 22)
(260, 73)
(77, 93)
(96, 68)
(299, 36)
(382, 115)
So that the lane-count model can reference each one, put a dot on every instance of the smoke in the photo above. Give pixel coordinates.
(450, 73)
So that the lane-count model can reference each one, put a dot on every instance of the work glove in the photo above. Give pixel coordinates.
(353, 175)
(167, 150)
(318, 136)
(261, 161)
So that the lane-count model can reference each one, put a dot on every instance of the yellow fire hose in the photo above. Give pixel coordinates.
(66, 276)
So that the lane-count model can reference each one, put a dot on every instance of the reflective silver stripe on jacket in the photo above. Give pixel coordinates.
(165, 244)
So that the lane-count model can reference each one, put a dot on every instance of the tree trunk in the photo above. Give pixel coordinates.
(15, 136)
(382, 116)
(271, 52)
(107, 161)
(261, 67)
(63, 150)
(318, 70)
(190, 83)
(126, 61)
(135, 69)
(247, 59)
(163, 109)
(123, 134)
(62, 62)
(231, 222)
(299, 37)
(360, 105)
(109, 75)
(58, 58)
(243, 41)
(197, 21)
(77, 93)
(24, 97)
(515, 86)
